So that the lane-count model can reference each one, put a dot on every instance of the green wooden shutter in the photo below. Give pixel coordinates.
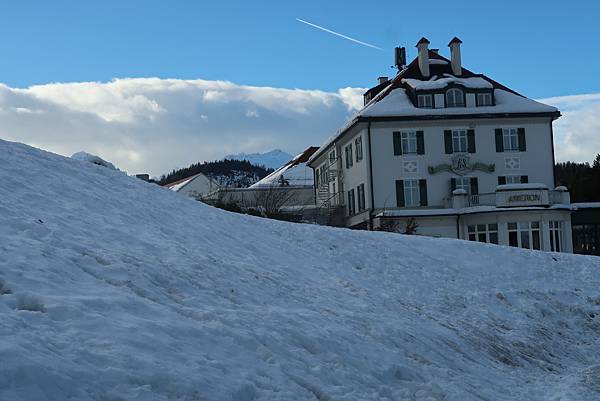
(420, 143)
(524, 179)
(423, 192)
(397, 144)
(501, 180)
(522, 143)
(474, 186)
(452, 184)
(448, 141)
(471, 140)
(399, 193)
(499, 140)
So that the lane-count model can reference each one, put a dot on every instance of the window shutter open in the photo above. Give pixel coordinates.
(423, 192)
(474, 186)
(499, 140)
(501, 180)
(448, 141)
(452, 184)
(522, 143)
(397, 144)
(471, 140)
(524, 179)
(399, 193)
(420, 143)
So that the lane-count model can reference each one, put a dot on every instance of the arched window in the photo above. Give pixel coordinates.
(455, 98)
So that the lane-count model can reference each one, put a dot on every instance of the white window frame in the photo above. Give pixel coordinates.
(525, 231)
(556, 235)
(452, 100)
(332, 157)
(487, 97)
(488, 231)
(463, 183)
(512, 179)
(460, 141)
(412, 193)
(425, 101)
(510, 139)
(408, 142)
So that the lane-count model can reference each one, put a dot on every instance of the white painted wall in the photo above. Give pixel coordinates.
(536, 161)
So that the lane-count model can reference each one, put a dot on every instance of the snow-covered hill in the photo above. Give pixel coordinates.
(273, 159)
(116, 289)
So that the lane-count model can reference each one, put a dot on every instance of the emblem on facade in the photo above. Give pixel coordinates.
(461, 165)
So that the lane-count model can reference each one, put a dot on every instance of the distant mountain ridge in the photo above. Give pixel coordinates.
(273, 159)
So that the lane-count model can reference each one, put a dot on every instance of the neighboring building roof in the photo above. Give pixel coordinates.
(293, 173)
(395, 99)
(178, 185)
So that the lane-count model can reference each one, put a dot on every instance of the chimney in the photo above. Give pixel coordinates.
(455, 60)
(423, 56)
(382, 80)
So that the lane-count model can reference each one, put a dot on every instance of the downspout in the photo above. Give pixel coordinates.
(553, 161)
(370, 177)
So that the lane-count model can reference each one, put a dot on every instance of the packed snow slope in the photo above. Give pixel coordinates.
(116, 289)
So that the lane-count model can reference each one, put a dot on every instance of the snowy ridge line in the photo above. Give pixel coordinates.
(112, 288)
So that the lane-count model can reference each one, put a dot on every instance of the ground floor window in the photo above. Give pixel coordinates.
(586, 239)
(412, 196)
(361, 197)
(484, 233)
(351, 203)
(556, 230)
(524, 234)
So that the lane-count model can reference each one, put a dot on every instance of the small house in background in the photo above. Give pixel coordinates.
(287, 191)
(196, 186)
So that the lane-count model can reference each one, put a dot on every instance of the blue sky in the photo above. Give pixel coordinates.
(156, 85)
(540, 48)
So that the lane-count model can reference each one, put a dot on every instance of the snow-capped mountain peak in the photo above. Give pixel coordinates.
(272, 159)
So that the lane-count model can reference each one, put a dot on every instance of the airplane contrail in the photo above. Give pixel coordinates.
(339, 34)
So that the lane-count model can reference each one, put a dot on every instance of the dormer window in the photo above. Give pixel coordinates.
(455, 98)
(425, 101)
(484, 99)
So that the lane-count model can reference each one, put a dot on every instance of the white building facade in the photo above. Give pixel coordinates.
(441, 151)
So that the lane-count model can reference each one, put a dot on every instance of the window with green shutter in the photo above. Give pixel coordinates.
(522, 143)
(397, 144)
(474, 186)
(423, 192)
(400, 193)
(448, 141)
(471, 140)
(499, 140)
(420, 143)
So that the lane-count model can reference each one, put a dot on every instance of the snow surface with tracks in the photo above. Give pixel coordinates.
(116, 289)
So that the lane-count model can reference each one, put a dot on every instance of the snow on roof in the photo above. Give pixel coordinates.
(177, 185)
(513, 187)
(88, 157)
(398, 104)
(437, 82)
(587, 205)
(293, 173)
(392, 100)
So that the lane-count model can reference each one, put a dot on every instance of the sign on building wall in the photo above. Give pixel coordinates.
(461, 164)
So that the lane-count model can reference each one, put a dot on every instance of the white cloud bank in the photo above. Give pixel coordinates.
(577, 132)
(154, 125)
